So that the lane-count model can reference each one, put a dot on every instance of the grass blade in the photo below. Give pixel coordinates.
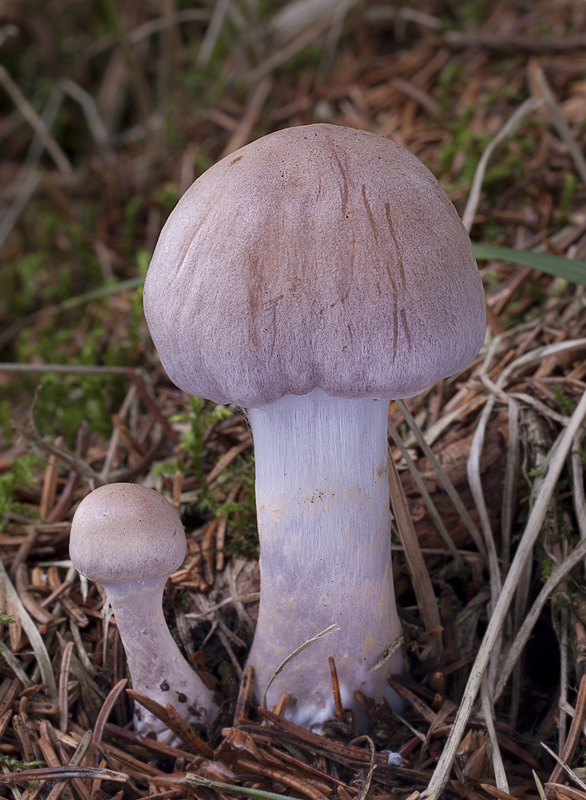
(567, 268)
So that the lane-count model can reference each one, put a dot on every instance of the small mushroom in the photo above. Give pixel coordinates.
(129, 539)
(310, 277)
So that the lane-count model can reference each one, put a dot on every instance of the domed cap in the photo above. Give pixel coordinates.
(126, 532)
(316, 257)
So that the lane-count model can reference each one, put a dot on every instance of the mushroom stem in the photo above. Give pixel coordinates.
(156, 665)
(325, 537)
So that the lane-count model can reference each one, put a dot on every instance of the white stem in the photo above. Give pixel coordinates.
(324, 525)
(156, 665)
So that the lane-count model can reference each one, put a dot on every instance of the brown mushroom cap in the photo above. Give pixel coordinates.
(126, 532)
(316, 257)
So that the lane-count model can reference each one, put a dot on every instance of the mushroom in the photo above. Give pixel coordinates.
(310, 277)
(129, 539)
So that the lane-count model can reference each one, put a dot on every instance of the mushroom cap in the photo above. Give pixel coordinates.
(317, 257)
(126, 532)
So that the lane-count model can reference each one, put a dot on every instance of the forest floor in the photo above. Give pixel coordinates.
(109, 112)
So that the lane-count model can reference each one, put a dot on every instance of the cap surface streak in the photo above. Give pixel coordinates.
(316, 257)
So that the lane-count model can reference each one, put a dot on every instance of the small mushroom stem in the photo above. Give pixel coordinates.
(325, 540)
(156, 665)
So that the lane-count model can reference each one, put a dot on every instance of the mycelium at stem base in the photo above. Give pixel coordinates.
(325, 550)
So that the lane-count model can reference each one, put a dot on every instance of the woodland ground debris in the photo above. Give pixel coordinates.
(92, 163)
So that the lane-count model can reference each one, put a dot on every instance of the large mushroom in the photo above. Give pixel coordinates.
(310, 277)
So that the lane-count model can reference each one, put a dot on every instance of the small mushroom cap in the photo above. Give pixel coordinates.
(317, 257)
(126, 532)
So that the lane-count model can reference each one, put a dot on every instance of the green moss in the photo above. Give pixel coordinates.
(565, 401)
(22, 471)
(13, 764)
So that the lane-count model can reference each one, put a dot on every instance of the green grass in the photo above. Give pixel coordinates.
(566, 268)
